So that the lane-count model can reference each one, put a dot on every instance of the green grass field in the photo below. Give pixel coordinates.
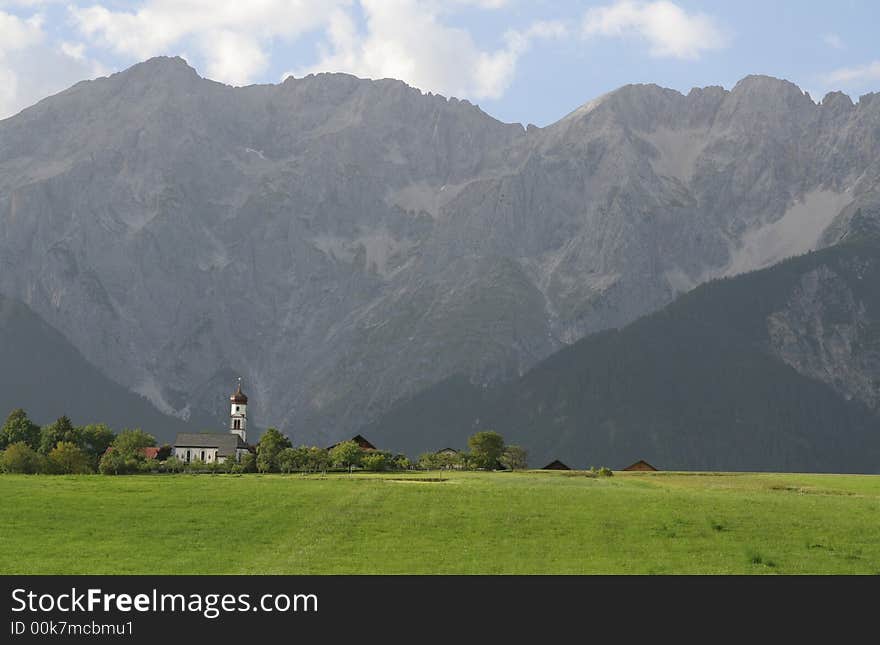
(471, 523)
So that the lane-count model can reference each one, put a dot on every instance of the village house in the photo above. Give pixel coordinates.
(217, 447)
(556, 465)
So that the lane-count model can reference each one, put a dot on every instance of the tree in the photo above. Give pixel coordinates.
(291, 459)
(18, 427)
(346, 454)
(125, 455)
(515, 458)
(68, 458)
(133, 440)
(401, 462)
(268, 448)
(375, 461)
(487, 447)
(429, 461)
(95, 438)
(21, 458)
(317, 459)
(54, 433)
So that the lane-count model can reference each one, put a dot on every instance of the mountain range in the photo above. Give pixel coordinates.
(777, 369)
(346, 244)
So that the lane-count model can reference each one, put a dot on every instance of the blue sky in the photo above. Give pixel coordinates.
(526, 61)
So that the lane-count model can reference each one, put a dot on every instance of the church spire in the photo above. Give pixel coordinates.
(238, 413)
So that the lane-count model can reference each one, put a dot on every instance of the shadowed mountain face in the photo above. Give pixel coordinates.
(774, 370)
(343, 243)
(45, 375)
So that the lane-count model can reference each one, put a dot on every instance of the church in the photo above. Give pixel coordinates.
(217, 447)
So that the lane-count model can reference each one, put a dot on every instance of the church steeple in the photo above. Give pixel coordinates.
(238, 413)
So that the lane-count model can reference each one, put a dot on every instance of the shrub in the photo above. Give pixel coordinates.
(248, 463)
(21, 458)
(67, 458)
(120, 462)
(173, 465)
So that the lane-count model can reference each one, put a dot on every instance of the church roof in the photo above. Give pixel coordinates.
(225, 442)
(239, 396)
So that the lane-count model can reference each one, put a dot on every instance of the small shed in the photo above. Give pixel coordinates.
(556, 465)
(641, 465)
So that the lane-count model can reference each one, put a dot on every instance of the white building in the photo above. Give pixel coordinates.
(211, 447)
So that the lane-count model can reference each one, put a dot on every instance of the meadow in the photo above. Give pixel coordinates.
(468, 523)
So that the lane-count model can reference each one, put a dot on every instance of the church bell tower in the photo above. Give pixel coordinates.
(238, 413)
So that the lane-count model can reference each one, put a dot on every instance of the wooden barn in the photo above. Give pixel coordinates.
(359, 440)
(641, 465)
(556, 465)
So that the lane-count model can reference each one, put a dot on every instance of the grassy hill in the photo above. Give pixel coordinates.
(693, 386)
(469, 523)
(48, 377)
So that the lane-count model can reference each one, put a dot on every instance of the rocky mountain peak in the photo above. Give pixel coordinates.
(373, 239)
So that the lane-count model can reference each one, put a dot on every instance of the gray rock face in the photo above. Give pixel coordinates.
(827, 333)
(342, 243)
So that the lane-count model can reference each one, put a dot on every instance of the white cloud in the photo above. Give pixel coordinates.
(18, 33)
(670, 30)
(869, 72)
(407, 40)
(833, 40)
(230, 37)
(32, 67)
(77, 51)
(233, 41)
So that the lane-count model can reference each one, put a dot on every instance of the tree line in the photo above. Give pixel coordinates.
(275, 453)
(61, 447)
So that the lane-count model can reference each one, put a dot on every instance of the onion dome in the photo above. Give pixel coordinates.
(239, 397)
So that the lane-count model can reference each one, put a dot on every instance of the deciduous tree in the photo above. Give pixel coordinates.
(346, 454)
(21, 458)
(487, 447)
(70, 459)
(54, 433)
(95, 438)
(268, 448)
(515, 458)
(18, 427)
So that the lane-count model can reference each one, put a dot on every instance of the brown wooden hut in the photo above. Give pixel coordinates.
(556, 465)
(641, 465)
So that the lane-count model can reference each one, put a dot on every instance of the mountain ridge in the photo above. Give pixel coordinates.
(344, 243)
(706, 383)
